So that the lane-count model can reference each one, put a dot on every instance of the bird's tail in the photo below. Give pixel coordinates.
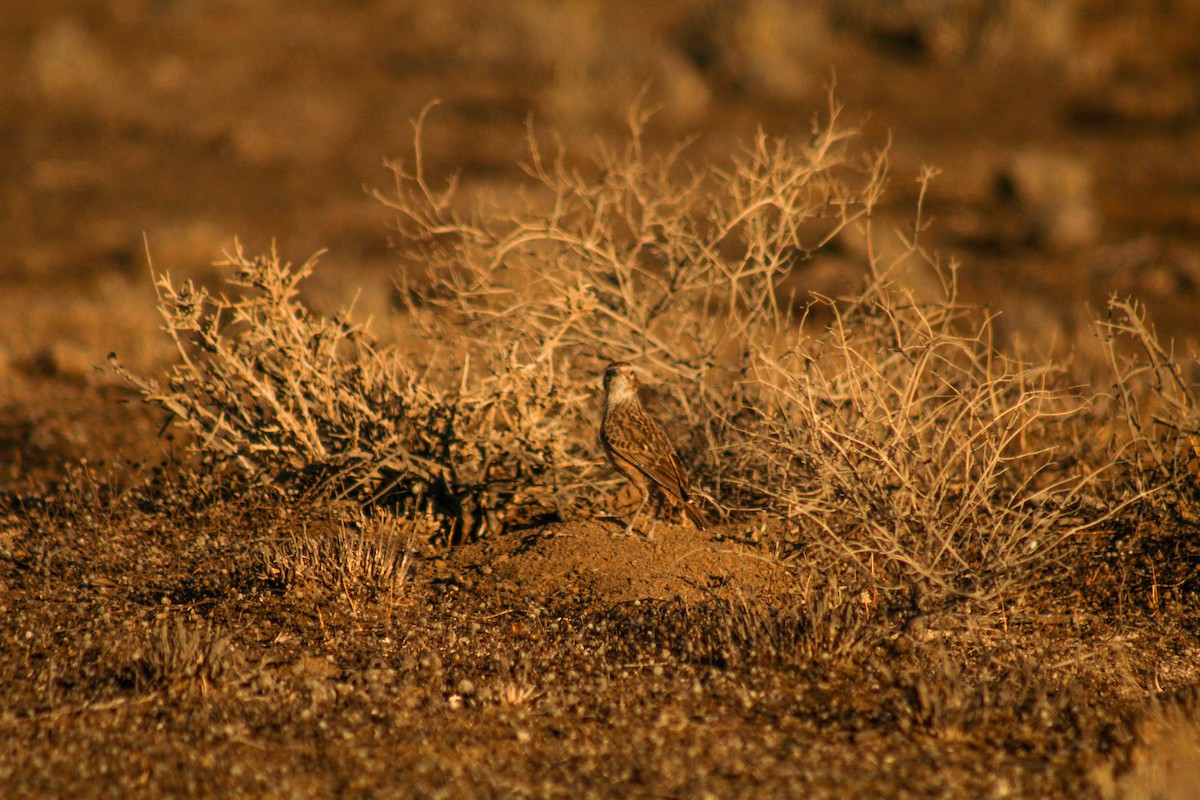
(695, 515)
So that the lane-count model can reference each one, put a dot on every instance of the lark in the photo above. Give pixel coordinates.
(638, 449)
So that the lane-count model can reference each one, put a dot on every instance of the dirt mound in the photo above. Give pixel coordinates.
(592, 563)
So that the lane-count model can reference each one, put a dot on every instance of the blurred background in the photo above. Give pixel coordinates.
(1066, 132)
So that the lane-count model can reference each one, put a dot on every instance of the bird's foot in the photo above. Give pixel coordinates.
(650, 531)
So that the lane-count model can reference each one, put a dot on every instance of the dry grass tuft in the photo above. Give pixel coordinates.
(371, 561)
(177, 653)
(826, 623)
(1163, 764)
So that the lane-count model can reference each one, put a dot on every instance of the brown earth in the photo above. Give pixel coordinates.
(561, 661)
(593, 564)
(151, 646)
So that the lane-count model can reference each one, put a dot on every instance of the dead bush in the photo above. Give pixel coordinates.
(679, 268)
(886, 427)
(310, 402)
(1154, 400)
(480, 415)
(921, 454)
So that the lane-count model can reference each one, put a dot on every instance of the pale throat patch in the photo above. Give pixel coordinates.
(620, 390)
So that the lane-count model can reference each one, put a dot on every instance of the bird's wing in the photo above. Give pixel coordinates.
(644, 445)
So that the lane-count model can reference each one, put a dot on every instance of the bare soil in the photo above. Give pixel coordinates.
(150, 649)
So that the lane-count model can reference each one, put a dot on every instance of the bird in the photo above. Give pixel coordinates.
(638, 448)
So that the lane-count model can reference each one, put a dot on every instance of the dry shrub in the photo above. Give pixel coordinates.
(1155, 398)
(644, 258)
(267, 383)
(482, 416)
(921, 455)
(306, 401)
(886, 428)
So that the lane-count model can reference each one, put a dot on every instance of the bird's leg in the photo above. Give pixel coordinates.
(654, 513)
(638, 511)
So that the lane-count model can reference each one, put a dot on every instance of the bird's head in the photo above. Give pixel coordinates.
(620, 382)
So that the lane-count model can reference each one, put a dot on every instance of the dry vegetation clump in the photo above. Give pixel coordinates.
(1154, 397)
(821, 627)
(679, 268)
(885, 428)
(309, 402)
(825, 624)
(371, 560)
(487, 417)
(890, 425)
(923, 455)
(177, 653)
